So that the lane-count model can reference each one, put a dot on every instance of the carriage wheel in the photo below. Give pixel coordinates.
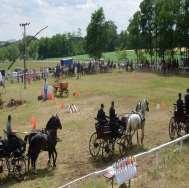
(3, 169)
(94, 145)
(179, 129)
(19, 169)
(172, 128)
(107, 149)
(123, 145)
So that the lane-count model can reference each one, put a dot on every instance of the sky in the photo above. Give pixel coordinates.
(59, 15)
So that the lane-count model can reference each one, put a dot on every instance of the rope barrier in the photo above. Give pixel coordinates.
(155, 149)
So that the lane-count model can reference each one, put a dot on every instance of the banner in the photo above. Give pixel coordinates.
(123, 170)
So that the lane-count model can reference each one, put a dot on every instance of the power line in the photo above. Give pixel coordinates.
(24, 40)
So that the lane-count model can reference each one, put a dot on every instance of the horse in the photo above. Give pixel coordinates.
(43, 141)
(136, 120)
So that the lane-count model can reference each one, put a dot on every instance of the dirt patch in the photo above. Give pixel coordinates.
(14, 103)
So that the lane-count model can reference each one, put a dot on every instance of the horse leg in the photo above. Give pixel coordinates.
(142, 137)
(35, 160)
(52, 153)
(28, 164)
(137, 138)
(49, 161)
(55, 152)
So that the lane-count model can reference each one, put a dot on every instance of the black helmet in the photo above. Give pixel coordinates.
(102, 105)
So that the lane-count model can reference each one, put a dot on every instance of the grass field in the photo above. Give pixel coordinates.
(73, 156)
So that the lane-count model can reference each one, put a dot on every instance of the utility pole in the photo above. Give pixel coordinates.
(24, 40)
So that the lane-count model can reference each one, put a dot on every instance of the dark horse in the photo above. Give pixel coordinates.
(44, 141)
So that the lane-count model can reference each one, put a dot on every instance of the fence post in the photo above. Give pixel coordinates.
(157, 165)
(157, 159)
(94, 181)
(181, 143)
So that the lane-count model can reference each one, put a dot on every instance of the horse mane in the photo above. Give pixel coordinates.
(53, 123)
(50, 123)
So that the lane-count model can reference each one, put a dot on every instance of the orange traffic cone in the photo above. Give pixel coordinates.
(33, 122)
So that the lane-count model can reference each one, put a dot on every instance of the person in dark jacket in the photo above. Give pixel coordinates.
(186, 100)
(101, 116)
(114, 124)
(112, 113)
(180, 108)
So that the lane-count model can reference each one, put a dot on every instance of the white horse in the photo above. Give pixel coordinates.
(136, 120)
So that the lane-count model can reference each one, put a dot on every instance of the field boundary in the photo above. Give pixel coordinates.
(153, 150)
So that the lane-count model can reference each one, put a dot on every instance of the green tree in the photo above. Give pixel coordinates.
(134, 33)
(3, 54)
(13, 52)
(33, 49)
(122, 40)
(147, 8)
(165, 20)
(110, 36)
(95, 39)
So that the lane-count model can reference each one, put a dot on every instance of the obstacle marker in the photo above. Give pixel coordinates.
(72, 108)
(33, 122)
(76, 94)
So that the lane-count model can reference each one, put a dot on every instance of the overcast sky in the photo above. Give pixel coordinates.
(60, 15)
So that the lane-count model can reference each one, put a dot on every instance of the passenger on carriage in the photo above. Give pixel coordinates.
(101, 116)
(180, 108)
(186, 100)
(114, 121)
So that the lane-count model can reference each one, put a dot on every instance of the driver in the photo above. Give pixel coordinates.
(101, 116)
(180, 109)
(113, 120)
(186, 100)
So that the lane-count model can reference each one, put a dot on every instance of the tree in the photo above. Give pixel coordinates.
(13, 52)
(165, 20)
(95, 39)
(147, 25)
(33, 49)
(122, 40)
(110, 35)
(3, 54)
(134, 33)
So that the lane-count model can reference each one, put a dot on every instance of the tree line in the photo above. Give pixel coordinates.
(157, 29)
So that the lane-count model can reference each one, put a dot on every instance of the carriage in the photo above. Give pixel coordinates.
(61, 89)
(103, 142)
(178, 124)
(12, 162)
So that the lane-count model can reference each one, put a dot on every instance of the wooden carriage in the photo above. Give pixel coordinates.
(61, 89)
(178, 124)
